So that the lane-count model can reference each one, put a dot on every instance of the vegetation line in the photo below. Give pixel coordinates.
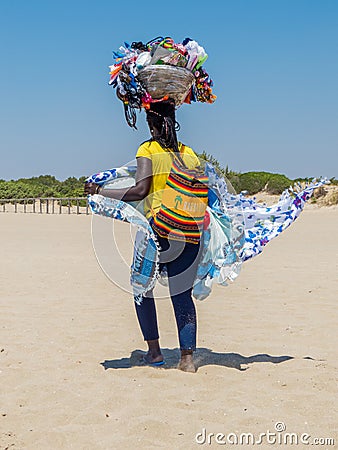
(49, 186)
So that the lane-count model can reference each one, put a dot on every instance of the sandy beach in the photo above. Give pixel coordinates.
(70, 376)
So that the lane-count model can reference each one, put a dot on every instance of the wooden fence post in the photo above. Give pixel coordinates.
(50, 204)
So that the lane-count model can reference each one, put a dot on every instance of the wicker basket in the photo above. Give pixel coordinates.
(161, 80)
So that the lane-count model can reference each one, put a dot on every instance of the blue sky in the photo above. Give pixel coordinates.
(274, 64)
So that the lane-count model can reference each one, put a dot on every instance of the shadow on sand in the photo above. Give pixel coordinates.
(202, 357)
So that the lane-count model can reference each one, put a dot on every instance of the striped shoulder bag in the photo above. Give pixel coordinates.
(184, 203)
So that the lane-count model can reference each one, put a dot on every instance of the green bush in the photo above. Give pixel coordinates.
(278, 183)
(42, 186)
(254, 182)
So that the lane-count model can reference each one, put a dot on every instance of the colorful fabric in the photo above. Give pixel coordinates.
(238, 230)
(183, 205)
(102, 178)
(263, 223)
(159, 69)
(162, 161)
(130, 59)
(145, 265)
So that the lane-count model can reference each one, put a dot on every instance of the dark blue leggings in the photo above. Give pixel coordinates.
(181, 260)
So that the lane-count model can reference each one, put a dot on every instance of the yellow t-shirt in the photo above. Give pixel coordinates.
(161, 164)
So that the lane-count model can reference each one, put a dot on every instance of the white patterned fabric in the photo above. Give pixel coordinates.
(238, 229)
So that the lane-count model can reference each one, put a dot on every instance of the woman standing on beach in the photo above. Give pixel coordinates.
(154, 162)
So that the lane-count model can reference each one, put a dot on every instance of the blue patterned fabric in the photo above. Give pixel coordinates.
(106, 176)
(144, 269)
(239, 229)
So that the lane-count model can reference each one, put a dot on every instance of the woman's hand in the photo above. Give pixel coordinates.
(91, 188)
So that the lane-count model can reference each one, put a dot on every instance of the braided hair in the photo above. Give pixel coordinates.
(162, 123)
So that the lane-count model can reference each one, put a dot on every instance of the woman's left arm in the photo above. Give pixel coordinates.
(134, 193)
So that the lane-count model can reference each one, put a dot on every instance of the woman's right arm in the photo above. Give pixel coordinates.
(134, 193)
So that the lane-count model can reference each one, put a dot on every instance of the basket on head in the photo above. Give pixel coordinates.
(164, 80)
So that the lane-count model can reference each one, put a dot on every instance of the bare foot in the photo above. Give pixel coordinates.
(154, 354)
(186, 363)
(151, 358)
